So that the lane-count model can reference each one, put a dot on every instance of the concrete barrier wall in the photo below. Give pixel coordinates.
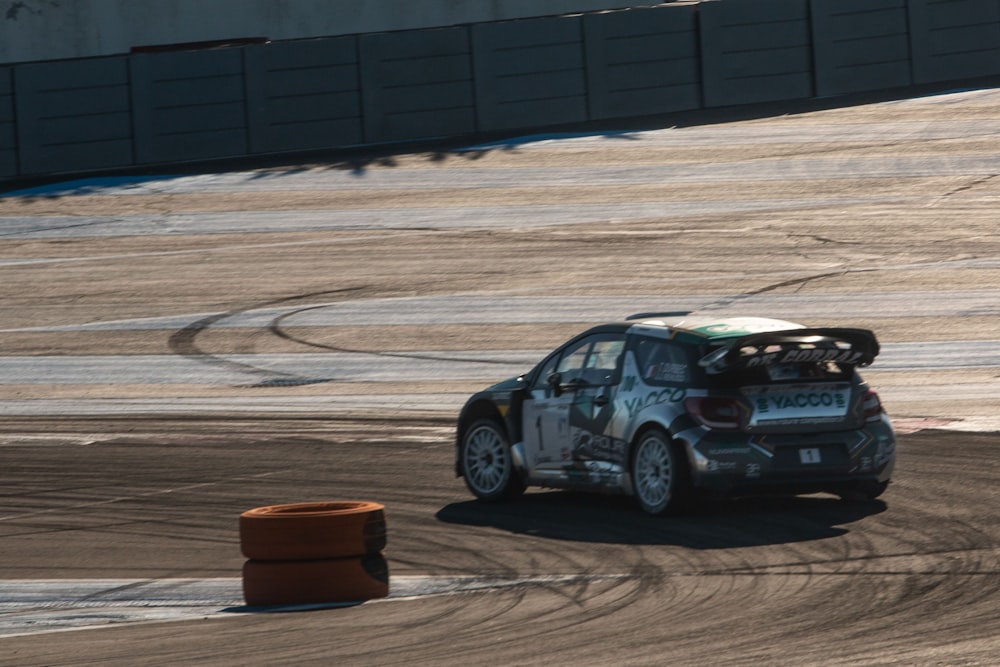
(73, 115)
(954, 39)
(49, 30)
(417, 84)
(303, 95)
(530, 73)
(755, 51)
(860, 45)
(175, 106)
(189, 105)
(8, 132)
(644, 61)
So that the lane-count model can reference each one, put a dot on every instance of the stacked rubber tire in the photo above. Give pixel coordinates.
(314, 553)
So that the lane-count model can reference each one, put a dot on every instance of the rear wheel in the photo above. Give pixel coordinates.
(487, 463)
(655, 472)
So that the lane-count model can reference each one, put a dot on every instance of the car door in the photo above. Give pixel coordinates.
(593, 404)
(557, 417)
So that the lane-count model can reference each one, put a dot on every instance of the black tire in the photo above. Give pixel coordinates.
(487, 462)
(657, 477)
(294, 582)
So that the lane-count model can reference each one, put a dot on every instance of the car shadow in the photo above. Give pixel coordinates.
(718, 524)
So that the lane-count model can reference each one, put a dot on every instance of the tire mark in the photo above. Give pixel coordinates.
(184, 342)
(275, 327)
(727, 301)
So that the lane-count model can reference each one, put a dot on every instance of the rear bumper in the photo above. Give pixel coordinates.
(797, 463)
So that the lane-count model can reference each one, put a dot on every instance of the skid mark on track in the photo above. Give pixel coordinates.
(183, 342)
(29, 607)
(39, 606)
(149, 494)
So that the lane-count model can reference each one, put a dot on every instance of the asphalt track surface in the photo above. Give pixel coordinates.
(177, 348)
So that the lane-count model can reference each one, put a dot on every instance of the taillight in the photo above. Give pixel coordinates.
(714, 411)
(871, 406)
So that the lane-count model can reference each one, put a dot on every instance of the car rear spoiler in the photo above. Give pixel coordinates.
(855, 347)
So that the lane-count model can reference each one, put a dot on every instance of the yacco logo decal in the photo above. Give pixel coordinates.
(669, 395)
(806, 399)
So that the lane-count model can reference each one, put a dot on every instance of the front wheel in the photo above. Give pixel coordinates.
(656, 475)
(487, 463)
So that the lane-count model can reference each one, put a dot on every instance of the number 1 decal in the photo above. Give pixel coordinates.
(809, 455)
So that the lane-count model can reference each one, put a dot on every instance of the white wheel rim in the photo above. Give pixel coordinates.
(486, 460)
(653, 471)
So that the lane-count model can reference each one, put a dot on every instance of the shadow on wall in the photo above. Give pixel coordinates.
(358, 163)
(359, 160)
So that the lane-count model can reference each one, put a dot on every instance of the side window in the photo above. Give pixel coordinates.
(572, 363)
(662, 362)
(595, 360)
(603, 362)
(542, 380)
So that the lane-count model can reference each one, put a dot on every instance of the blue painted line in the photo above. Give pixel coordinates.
(537, 138)
(88, 186)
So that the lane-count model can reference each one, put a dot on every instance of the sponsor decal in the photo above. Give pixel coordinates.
(798, 420)
(793, 404)
(742, 325)
(666, 372)
(753, 470)
(729, 451)
(668, 395)
(802, 399)
(591, 472)
(711, 465)
(804, 356)
(596, 446)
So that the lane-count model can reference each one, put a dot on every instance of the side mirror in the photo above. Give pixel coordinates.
(554, 381)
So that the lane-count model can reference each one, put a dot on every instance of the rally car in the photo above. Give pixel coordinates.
(668, 407)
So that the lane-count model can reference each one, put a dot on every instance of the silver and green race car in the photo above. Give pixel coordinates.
(667, 407)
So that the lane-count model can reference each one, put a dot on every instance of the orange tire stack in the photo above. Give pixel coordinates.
(314, 553)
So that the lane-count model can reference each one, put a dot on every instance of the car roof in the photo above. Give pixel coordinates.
(706, 328)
